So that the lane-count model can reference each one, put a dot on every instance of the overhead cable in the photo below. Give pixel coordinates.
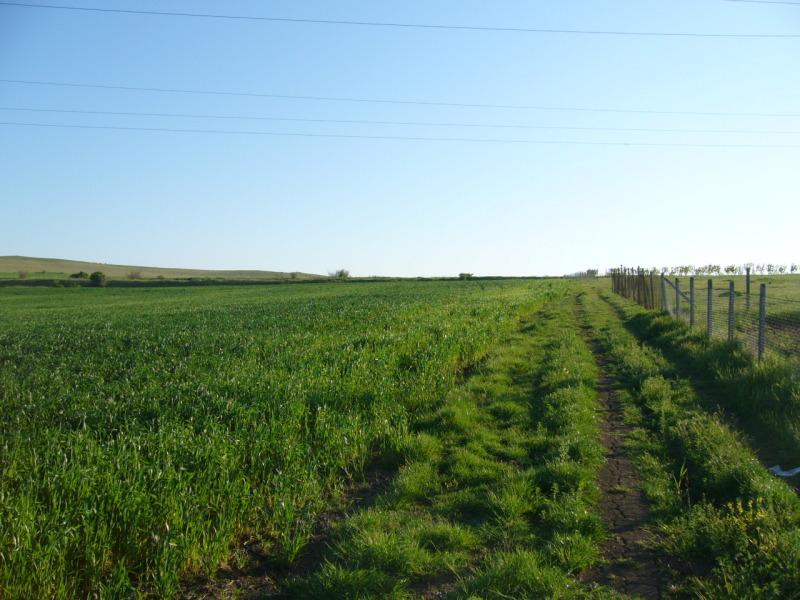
(396, 137)
(401, 123)
(765, 2)
(400, 25)
(400, 102)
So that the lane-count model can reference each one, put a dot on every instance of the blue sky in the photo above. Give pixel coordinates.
(550, 192)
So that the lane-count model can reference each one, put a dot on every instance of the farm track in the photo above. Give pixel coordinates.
(631, 566)
(497, 501)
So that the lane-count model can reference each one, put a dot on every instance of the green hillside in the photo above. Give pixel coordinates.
(11, 266)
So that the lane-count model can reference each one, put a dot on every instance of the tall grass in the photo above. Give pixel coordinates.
(764, 396)
(144, 431)
(716, 503)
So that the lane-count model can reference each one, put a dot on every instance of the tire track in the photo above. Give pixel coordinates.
(630, 566)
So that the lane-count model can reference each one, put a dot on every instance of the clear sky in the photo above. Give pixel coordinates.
(579, 150)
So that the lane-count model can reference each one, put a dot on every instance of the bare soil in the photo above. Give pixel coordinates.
(630, 565)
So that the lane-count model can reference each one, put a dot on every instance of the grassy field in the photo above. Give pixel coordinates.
(149, 436)
(52, 268)
(144, 431)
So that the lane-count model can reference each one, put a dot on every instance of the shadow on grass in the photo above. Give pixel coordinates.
(761, 399)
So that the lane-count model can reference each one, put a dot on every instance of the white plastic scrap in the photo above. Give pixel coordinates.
(781, 473)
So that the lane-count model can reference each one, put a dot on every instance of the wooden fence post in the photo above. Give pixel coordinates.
(762, 321)
(731, 297)
(710, 315)
(747, 291)
(652, 292)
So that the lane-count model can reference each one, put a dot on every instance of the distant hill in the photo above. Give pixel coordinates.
(10, 266)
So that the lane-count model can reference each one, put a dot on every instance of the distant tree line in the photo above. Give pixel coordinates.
(755, 268)
(587, 274)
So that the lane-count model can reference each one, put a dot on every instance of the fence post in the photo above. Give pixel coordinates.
(652, 292)
(731, 297)
(710, 314)
(747, 292)
(677, 299)
(692, 306)
(762, 321)
(664, 302)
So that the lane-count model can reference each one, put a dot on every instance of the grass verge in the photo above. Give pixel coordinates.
(713, 500)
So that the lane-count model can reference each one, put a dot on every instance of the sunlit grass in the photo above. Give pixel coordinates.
(715, 503)
(480, 505)
(145, 430)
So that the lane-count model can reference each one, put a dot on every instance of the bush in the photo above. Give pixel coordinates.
(464, 276)
(80, 275)
(98, 279)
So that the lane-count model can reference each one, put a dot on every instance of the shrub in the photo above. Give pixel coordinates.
(80, 275)
(98, 279)
(464, 276)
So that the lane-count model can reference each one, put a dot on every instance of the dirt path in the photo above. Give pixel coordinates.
(631, 567)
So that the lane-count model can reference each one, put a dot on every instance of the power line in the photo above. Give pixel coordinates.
(396, 137)
(765, 2)
(399, 102)
(400, 25)
(402, 123)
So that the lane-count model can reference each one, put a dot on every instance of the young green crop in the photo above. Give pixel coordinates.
(144, 430)
(497, 498)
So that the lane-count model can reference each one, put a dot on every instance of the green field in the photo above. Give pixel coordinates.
(151, 437)
(145, 430)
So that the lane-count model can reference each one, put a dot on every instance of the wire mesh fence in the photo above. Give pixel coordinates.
(725, 309)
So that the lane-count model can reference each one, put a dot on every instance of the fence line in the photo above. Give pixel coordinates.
(761, 324)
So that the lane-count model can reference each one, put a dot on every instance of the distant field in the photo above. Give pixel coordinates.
(785, 287)
(54, 268)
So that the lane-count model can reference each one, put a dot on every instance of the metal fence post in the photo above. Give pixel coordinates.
(731, 297)
(710, 315)
(677, 299)
(664, 301)
(762, 321)
(692, 306)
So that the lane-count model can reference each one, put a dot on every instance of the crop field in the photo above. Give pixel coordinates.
(145, 430)
(150, 436)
